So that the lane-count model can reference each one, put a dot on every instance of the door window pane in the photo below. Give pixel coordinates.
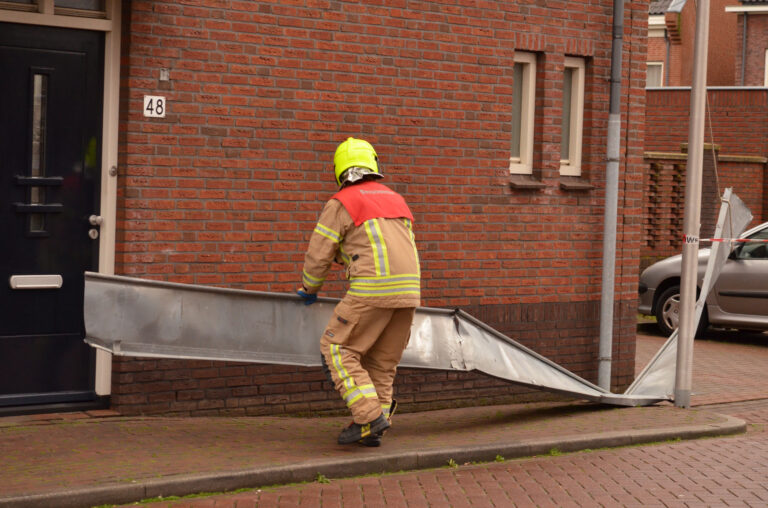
(39, 110)
(755, 250)
(37, 161)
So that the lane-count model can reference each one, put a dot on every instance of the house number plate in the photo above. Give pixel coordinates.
(155, 106)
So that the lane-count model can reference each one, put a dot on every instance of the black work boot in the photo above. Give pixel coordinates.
(374, 440)
(355, 431)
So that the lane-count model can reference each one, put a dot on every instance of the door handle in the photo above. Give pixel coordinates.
(95, 220)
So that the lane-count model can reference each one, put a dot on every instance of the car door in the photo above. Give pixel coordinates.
(741, 291)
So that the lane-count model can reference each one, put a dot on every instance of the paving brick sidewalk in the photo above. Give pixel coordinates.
(80, 460)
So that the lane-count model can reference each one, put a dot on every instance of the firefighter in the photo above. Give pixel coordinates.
(369, 229)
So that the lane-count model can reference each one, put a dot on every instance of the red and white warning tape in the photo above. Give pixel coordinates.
(739, 240)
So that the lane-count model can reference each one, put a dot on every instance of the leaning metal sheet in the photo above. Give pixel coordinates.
(658, 378)
(733, 220)
(136, 317)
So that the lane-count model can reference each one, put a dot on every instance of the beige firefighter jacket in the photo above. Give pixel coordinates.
(380, 257)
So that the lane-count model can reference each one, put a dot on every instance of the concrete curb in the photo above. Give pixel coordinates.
(253, 478)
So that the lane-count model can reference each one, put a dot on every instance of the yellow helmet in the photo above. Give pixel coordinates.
(355, 153)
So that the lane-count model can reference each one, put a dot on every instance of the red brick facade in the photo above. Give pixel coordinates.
(657, 50)
(737, 124)
(227, 187)
(754, 57)
(722, 54)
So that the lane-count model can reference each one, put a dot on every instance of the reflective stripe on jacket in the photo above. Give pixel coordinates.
(380, 254)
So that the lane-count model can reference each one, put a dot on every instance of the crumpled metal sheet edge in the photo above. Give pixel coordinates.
(138, 317)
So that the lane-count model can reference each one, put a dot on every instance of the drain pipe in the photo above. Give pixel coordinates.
(744, 47)
(613, 152)
(667, 44)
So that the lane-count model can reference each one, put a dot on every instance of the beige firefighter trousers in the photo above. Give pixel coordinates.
(361, 346)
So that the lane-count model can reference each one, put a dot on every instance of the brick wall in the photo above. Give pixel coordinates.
(737, 125)
(723, 35)
(226, 189)
(757, 44)
(722, 48)
(657, 49)
(739, 122)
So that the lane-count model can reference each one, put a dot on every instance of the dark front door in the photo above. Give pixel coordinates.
(50, 142)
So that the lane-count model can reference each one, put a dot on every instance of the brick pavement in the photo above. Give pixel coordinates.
(101, 452)
(121, 458)
(712, 472)
(728, 366)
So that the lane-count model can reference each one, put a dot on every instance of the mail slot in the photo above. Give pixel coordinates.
(36, 281)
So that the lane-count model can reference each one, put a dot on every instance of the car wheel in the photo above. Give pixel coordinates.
(668, 310)
(668, 313)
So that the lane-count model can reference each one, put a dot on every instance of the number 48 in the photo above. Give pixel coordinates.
(154, 106)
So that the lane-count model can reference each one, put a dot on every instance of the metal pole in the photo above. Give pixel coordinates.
(692, 214)
(744, 47)
(611, 203)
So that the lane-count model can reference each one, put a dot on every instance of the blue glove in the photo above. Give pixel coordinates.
(309, 299)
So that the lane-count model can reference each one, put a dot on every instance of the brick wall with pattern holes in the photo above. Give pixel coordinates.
(737, 124)
(226, 189)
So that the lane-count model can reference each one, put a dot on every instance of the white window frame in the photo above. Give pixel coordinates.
(765, 69)
(523, 165)
(661, 73)
(572, 165)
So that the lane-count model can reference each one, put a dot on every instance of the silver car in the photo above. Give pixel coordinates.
(738, 300)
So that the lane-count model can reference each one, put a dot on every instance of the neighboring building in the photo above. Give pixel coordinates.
(671, 30)
(191, 142)
(659, 45)
(735, 155)
(737, 118)
(751, 42)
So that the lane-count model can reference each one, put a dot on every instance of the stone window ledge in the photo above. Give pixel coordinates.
(525, 182)
(575, 183)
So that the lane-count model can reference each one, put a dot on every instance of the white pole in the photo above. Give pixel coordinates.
(613, 152)
(692, 214)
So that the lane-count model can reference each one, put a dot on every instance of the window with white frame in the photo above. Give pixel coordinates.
(765, 79)
(523, 106)
(573, 117)
(654, 74)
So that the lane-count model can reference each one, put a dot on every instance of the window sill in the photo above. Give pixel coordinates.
(575, 183)
(525, 182)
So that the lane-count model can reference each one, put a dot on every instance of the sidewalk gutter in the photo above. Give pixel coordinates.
(181, 485)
